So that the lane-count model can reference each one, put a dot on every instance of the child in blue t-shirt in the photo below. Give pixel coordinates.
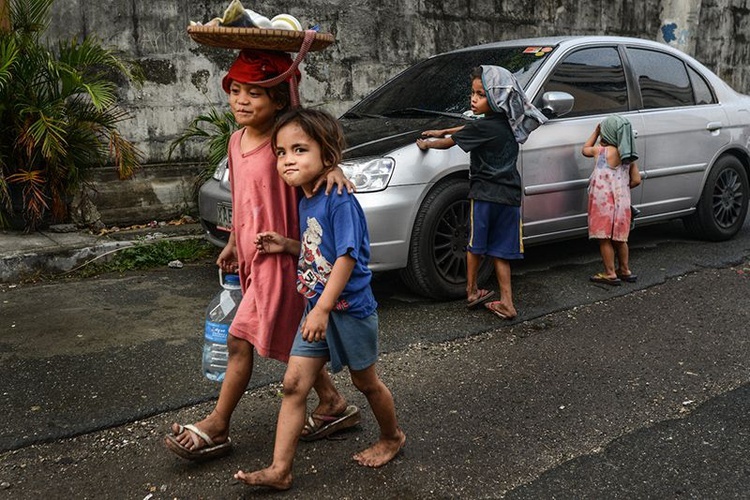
(340, 324)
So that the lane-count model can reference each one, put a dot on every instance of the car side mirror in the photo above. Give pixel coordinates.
(557, 104)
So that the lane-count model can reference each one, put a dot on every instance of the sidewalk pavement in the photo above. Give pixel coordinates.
(62, 248)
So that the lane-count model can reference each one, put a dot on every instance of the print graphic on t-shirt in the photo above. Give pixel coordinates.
(313, 267)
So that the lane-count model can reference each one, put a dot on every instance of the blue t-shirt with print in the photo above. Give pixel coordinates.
(332, 226)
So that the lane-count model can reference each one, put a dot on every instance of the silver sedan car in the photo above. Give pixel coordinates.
(693, 139)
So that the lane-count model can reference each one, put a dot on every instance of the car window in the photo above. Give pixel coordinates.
(594, 77)
(442, 84)
(662, 78)
(701, 89)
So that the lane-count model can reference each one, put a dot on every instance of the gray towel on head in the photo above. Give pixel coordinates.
(618, 131)
(505, 94)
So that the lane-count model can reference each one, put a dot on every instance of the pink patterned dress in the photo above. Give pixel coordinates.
(609, 200)
(271, 308)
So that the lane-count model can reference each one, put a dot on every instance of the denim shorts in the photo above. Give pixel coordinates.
(349, 341)
(496, 230)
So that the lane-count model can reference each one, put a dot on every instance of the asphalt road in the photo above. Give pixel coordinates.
(631, 392)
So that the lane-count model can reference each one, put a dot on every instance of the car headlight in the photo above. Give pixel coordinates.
(369, 174)
(221, 168)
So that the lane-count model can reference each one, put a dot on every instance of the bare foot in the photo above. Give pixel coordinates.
(211, 426)
(501, 310)
(266, 477)
(381, 452)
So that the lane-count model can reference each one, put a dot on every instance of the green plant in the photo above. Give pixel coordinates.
(146, 255)
(213, 128)
(58, 116)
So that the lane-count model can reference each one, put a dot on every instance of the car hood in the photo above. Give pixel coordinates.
(375, 136)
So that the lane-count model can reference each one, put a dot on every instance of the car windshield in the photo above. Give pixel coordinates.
(441, 84)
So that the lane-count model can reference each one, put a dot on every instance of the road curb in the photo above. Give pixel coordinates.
(27, 255)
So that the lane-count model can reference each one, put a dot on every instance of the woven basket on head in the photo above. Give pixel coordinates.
(256, 38)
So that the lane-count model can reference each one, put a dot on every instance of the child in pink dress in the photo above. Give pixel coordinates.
(271, 308)
(609, 210)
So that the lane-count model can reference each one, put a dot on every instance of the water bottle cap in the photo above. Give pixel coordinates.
(232, 279)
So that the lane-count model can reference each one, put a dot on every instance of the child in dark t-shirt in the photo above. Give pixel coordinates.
(494, 181)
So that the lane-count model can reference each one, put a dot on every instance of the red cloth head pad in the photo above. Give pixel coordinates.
(253, 66)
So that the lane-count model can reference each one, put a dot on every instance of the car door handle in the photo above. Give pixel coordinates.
(713, 126)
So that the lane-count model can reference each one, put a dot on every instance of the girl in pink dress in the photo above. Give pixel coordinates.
(271, 308)
(609, 196)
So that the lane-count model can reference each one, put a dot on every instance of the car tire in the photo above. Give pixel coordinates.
(722, 207)
(437, 252)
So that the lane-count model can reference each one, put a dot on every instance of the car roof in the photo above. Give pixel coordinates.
(566, 40)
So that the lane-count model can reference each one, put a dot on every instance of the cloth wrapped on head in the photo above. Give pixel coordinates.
(504, 94)
(253, 66)
(617, 131)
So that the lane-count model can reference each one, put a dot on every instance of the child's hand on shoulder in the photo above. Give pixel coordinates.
(335, 178)
(270, 242)
(315, 325)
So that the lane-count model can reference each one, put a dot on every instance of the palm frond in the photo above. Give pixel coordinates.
(58, 114)
(8, 56)
(126, 156)
(29, 18)
(215, 128)
(33, 182)
(96, 62)
(45, 131)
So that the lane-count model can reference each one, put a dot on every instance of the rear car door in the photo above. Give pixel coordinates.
(682, 130)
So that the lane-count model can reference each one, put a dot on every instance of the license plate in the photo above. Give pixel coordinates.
(224, 216)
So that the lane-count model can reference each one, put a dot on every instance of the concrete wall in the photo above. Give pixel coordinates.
(375, 40)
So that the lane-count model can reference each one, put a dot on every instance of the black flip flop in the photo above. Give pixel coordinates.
(606, 280)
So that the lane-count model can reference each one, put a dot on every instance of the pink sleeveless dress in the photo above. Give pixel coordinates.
(271, 308)
(609, 200)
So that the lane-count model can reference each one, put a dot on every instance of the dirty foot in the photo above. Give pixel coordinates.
(204, 440)
(269, 478)
(193, 441)
(381, 452)
(501, 310)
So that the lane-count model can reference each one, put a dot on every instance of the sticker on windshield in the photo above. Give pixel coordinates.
(537, 51)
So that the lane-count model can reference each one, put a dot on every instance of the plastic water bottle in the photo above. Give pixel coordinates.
(219, 316)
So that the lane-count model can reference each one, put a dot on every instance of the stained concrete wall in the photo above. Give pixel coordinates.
(375, 40)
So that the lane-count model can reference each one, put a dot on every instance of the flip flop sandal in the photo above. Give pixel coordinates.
(629, 278)
(208, 452)
(490, 306)
(606, 280)
(484, 296)
(320, 426)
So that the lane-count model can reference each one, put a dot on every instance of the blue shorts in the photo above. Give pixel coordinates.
(349, 341)
(496, 230)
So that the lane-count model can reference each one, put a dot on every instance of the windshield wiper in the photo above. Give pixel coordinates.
(420, 111)
(356, 114)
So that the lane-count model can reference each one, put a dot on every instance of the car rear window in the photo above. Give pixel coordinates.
(662, 78)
